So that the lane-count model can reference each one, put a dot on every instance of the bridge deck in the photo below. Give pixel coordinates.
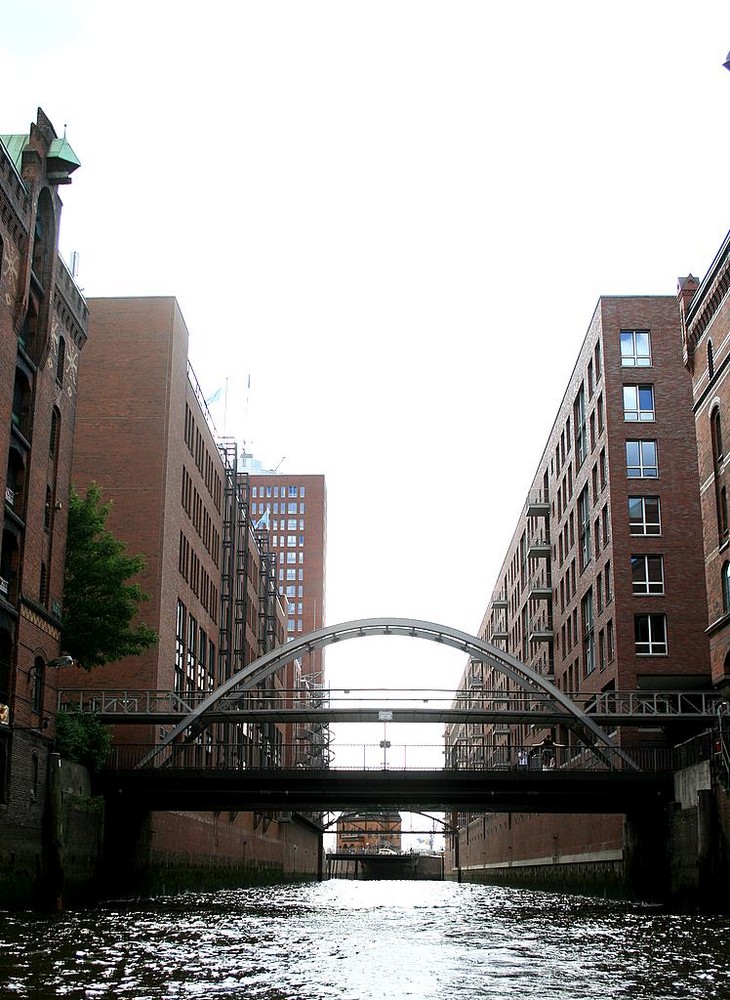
(307, 790)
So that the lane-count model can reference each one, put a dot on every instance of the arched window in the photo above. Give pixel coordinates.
(37, 678)
(55, 432)
(48, 512)
(716, 431)
(726, 586)
(21, 413)
(60, 360)
(710, 360)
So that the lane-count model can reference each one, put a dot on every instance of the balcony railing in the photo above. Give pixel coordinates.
(538, 544)
(538, 504)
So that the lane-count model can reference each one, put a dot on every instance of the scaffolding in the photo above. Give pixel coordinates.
(267, 594)
(234, 568)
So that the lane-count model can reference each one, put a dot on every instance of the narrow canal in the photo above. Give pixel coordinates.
(362, 940)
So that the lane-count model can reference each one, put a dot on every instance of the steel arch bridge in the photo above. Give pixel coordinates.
(522, 675)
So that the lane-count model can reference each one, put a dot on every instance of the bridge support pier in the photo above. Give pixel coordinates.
(646, 855)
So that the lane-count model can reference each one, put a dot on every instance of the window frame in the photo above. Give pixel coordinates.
(644, 582)
(635, 357)
(643, 466)
(645, 523)
(635, 410)
(652, 645)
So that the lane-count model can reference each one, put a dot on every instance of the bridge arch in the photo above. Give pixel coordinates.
(474, 647)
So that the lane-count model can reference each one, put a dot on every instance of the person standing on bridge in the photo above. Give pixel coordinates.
(548, 752)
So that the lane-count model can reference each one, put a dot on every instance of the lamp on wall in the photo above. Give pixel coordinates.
(62, 661)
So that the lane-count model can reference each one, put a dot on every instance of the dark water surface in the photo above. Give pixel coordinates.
(362, 940)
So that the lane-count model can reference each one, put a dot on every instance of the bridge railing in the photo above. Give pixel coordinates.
(645, 704)
(410, 757)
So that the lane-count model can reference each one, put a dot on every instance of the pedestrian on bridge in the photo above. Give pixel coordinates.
(548, 746)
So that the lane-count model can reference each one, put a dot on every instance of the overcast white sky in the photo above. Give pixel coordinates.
(396, 217)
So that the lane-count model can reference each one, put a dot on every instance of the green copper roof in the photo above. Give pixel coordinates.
(15, 144)
(60, 151)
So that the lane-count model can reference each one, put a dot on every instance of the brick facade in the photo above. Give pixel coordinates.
(43, 323)
(705, 310)
(144, 436)
(603, 584)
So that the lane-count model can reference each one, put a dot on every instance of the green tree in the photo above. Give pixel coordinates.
(83, 739)
(99, 604)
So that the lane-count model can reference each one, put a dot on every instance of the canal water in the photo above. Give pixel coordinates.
(362, 940)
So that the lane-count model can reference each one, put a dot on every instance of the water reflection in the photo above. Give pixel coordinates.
(362, 940)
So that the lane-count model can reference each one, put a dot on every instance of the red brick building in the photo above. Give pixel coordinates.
(43, 322)
(705, 312)
(145, 436)
(603, 584)
(368, 833)
(294, 510)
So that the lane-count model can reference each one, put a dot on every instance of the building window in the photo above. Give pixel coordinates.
(647, 574)
(635, 349)
(722, 518)
(579, 424)
(608, 582)
(180, 648)
(36, 686)
(716, 432)
(650, 635)
(639, 402)
(644, 516)
(609, 641)
(588, 633)
(60, 360)
(192, 650)
(55, 432)
(584, 528)
(597, 357)
(726, 586)
(641, 460)
(48, 509)
(602, 650)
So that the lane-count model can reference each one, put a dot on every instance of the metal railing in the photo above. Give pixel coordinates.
(610, 704)
(463, 756)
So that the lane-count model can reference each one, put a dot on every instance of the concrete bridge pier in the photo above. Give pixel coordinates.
(126, 847)
(646, 855)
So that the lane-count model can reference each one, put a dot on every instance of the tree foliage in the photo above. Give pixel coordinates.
(83, 739)
(99, 604)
